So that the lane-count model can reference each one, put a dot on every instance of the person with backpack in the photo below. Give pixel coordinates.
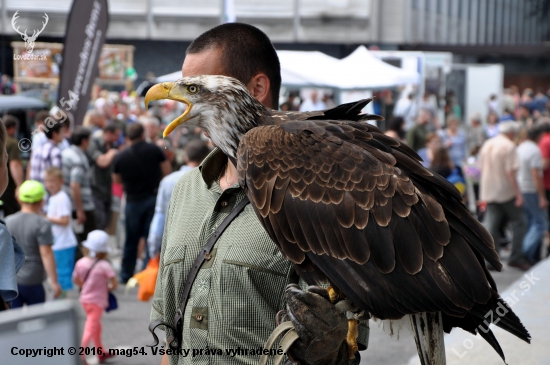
(96, 277)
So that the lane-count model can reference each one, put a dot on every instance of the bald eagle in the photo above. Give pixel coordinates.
(348, 204)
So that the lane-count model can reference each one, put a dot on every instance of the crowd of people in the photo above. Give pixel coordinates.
(62, 206)
(506, 159)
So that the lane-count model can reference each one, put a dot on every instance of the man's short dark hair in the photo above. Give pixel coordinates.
(55, 128)
(41, 116)
(246, 51)
(196, 151)
(135, 131)
(79, 135)
(111, 128)
(10, 121)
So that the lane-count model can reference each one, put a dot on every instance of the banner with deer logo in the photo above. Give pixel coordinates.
(84, 37)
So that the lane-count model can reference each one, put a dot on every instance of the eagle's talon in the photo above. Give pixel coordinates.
(351, 337)
(332, 294)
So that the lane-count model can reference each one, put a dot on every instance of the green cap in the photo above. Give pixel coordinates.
(31, 191)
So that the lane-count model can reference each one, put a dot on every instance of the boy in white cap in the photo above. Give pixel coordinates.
(95, 275)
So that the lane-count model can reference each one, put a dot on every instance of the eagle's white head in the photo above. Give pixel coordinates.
(220, 105)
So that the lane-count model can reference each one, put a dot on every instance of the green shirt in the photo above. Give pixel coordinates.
(238, 292)
(416, 137)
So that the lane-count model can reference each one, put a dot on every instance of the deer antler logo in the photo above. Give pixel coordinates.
(29, 41)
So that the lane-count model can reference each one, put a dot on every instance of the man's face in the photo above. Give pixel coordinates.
(11, 131)
(207, 62)
(111, 138)
(423, 117)
(152, 130)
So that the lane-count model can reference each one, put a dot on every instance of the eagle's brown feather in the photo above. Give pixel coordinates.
(348, 204)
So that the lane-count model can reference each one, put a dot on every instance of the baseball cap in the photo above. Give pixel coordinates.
(31, 191)
(97, 241)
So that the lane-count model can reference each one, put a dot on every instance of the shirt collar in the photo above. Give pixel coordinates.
(212, 166)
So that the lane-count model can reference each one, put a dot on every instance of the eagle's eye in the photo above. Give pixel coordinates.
(192, 89)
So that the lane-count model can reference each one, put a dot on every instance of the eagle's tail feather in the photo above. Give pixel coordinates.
(498, 312)
(495, 311)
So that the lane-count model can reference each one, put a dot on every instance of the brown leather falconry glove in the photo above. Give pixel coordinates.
(321, 328)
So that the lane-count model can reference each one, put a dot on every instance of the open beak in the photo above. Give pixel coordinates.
(166, 90)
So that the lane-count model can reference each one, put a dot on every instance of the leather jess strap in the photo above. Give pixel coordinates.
(174, 341)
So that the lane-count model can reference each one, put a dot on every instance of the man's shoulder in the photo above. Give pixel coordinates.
(10, 141)
(191, 179)
(175, 176)
(124, 154)
(97, 143)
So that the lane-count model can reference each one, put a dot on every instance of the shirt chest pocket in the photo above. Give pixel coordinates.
(252, 278)
(174, 270)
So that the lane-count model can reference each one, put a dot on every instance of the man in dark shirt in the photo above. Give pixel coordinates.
(101, 153)
(139, 168)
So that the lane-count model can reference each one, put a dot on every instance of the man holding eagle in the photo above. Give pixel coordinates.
(332, 200)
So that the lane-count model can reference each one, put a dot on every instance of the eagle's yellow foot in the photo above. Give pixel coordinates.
(332, 294)
(351, 338)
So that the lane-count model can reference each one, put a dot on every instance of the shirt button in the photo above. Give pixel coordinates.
(224, 204)
(199, 317)
(207, 256)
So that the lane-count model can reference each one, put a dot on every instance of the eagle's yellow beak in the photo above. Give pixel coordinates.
(166, 90)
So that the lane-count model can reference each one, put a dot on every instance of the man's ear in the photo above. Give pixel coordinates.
(260, 87)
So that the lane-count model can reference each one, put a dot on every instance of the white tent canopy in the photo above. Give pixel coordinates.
(171, 77)
(360, 70)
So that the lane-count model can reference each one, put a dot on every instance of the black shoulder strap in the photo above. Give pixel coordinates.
(175, 340)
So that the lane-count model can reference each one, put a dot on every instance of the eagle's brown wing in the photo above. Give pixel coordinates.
(394, 237)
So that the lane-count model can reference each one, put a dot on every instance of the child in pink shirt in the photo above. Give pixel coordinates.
(95, 275)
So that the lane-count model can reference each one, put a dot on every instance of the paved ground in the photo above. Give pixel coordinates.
(127, 328)
(529, 297)
(384, 349)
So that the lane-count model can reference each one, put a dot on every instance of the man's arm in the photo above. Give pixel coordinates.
(77, 198)
(106, 159)
(16, 171)
(157, 224)
(511, 175)
(48, 260)
(29, 168)
(539, 183)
